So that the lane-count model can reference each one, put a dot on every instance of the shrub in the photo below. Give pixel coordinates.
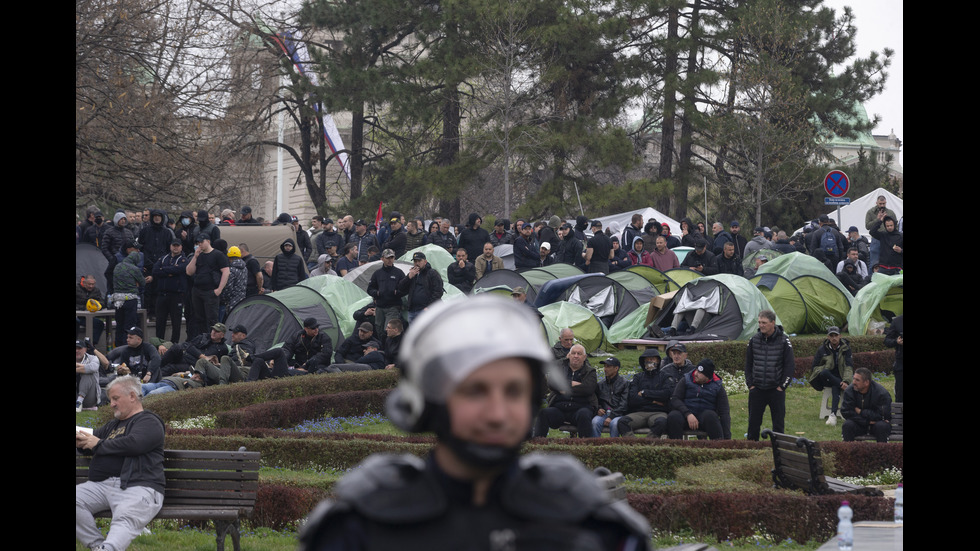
(732, 515)
(281, 507)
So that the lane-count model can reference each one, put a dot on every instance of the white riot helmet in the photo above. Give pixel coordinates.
(450, 341)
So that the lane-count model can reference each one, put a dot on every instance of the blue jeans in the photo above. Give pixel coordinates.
(599, 421)
(157, 388)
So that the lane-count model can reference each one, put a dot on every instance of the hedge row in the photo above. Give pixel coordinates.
(878, 362)
(289, 413)
(730, 355)
(732, 515)
(639, 458)
(175, 406)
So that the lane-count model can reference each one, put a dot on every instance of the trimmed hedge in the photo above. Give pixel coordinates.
(730, 355)
(878, 362)
(186, 404)
(732, 515)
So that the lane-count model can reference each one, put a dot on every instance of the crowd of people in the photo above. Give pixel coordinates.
(475, 376)
(180, 269)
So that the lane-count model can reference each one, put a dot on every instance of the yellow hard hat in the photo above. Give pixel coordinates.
(234, 251)
(93, 305)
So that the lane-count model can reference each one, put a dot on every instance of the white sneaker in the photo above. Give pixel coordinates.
(78, 405)
(832, 419)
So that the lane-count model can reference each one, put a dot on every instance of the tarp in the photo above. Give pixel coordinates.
(263, 241)
(633, 326)
(509, 279)
(827, 300)
(607, 298)
(658, 279)
(736, 300)
(506, 253)
(623, 219)
(877, 301)
(678, 277)
(89, 260)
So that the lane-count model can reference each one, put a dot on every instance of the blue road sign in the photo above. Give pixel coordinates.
(836, 183)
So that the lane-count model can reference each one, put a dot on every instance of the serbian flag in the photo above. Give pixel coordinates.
(292, 46)
(378, 217)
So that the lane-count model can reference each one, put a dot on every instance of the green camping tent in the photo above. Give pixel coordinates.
(876, 302)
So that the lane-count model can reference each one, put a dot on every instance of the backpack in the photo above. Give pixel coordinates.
(828, 242)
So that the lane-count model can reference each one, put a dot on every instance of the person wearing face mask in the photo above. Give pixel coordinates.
(184, 229)
(648, 396)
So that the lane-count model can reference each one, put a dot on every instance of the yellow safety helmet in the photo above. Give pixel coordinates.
(93, 305)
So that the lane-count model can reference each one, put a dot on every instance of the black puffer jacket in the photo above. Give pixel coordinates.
(769, 361)
(288, 269)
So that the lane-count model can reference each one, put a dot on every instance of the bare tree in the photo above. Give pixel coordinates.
(161, 115)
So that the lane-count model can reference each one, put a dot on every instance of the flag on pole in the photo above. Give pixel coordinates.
(293, 47)
(378, 217)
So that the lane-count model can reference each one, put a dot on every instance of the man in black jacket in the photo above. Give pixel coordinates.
(288, 268)
(769, 366)
(353, 346)
(302, 354)
(170, 277)
(612, 399)
(461, 273)
(140, 358)
(576, 405)
(867, 408)
(126, 474)
(422, 286)
(648, 397)
(700, 402)
(383, 288)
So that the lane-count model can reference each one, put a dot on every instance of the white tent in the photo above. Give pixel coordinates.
(853, 214)
(623, 219)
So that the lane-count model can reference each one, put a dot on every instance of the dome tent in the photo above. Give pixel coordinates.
(732, 302)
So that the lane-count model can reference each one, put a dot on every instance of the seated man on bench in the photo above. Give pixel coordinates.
(700, 403)
(866, 409)
(126, 474)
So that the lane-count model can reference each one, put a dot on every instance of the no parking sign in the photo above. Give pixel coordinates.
(836, 183)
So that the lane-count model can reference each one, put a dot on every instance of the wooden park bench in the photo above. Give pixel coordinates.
(898, 428)
(572, 431)
(220, 486)
(799, 466)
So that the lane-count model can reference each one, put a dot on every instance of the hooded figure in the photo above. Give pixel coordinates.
(850, 277)
(205, 226)
(288, 269)
(155, 238)
(638, 255)
(473, 236)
